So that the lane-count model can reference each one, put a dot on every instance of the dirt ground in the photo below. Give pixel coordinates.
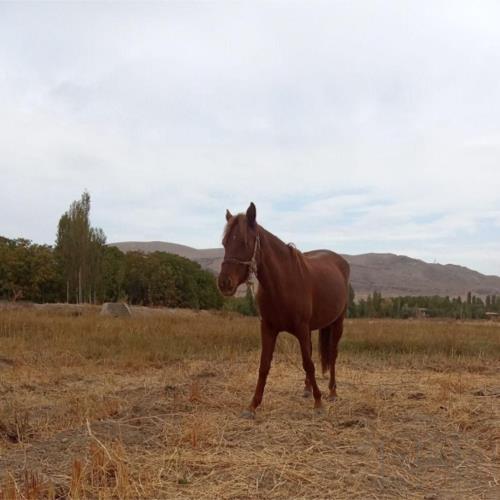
(404, 426)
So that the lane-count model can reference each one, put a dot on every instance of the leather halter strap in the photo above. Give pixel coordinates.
(252, 263)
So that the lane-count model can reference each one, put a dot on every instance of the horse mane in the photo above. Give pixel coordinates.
(299, 256)
(240, 221)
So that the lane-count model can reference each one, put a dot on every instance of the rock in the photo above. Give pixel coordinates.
(115, 309)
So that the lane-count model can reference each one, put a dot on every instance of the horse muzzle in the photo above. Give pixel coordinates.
(227, 286)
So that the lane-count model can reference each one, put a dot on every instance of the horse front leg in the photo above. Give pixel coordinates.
(304, 337)
(268, 337)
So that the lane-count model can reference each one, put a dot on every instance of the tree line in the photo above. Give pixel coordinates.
(81, 268)
(377, 306)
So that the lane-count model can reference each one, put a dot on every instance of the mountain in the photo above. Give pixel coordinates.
(400, 275)
(390, 274)
(208, 258)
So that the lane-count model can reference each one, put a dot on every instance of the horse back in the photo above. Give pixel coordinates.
(328, 258)
(328, 274)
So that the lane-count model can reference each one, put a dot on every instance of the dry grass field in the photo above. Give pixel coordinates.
(94, 407)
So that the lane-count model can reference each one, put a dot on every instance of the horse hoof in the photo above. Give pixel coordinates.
(248, 414)
(319, 410)
(332, 398)
(306, 393)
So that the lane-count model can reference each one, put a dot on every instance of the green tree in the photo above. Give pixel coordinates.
(79, 249)
(28, 271)
(351, 308)
(113, 275)
(16, 276)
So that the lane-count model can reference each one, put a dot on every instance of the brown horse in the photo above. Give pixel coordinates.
(298, 292)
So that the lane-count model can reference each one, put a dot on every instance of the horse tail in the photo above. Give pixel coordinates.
(329, 337)
(325, 338)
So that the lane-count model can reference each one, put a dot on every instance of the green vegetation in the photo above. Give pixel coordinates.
(162, 279)
(82, 269)
(242, 305)
(28, 271)
(79, 251)
(35, 273)
(376, 306)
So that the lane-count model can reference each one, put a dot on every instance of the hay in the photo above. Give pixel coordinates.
(95, 422)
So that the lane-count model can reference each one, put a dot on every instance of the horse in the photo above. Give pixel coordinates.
(298, 292)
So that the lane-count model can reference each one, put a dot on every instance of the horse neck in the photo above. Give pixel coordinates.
(276, 259)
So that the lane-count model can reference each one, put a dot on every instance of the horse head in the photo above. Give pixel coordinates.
(241, 245)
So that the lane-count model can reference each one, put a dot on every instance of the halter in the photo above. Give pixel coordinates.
(252, 263)
(252, 269)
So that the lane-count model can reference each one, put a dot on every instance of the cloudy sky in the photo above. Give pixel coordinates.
(356, 126)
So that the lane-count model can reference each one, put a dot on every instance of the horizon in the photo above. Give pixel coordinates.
(114, 243)
(362, 128)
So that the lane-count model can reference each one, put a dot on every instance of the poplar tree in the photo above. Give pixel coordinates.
(79, 249)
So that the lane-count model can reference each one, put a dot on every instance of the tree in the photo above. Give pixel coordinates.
(163, 279)
(79, 249)
(46, 283)
(16, 276)
(27, 271)
(351, 308)
(113, 275)
(96, 251)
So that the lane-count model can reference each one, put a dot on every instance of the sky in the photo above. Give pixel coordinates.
(355, 126)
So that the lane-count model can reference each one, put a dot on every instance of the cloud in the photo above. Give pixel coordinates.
(367, 126)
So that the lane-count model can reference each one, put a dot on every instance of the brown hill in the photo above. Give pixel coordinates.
(400, 275)
(208, 258)
(389, 274)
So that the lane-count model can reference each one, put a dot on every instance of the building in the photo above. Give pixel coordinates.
(422, 312)
(492, 316)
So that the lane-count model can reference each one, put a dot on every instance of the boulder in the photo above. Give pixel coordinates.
(115, 309)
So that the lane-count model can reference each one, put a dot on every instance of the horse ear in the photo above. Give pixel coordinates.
(251, 214)
(229, 215)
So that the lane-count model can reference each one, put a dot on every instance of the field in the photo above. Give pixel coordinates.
(149, 406)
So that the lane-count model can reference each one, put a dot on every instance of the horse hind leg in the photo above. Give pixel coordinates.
(307, 383)
(336, 330)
